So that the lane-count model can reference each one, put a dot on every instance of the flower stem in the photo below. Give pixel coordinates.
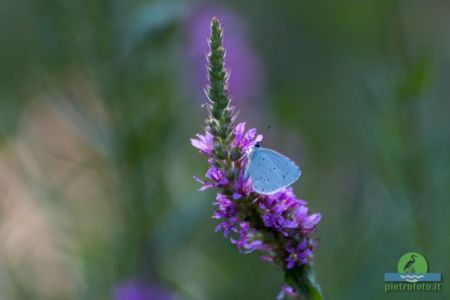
(302, 280)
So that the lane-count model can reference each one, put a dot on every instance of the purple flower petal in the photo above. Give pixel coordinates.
(204, 143)
(286, 290)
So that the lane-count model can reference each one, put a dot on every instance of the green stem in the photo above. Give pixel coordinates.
(303, 281)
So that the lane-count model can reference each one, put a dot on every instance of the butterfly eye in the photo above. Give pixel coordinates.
(258, 144)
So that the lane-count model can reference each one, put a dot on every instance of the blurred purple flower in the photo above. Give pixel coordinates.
(242, 62)
(286, 291)
(139, 290)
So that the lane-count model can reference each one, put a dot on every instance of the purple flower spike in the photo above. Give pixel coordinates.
(278, 226)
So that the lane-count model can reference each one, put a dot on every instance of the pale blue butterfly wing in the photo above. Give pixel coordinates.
(270, 171)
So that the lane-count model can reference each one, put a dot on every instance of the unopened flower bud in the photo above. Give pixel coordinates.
(235, 154)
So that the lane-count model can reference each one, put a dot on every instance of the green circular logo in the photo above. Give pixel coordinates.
(412, 262)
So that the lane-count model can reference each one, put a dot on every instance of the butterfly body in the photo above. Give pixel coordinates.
(270, 171)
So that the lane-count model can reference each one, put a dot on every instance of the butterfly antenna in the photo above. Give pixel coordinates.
(268, 129)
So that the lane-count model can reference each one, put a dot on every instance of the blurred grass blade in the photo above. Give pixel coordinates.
(149, 20)
(414, 83)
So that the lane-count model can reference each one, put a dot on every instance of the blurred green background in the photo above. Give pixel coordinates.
(98, 100)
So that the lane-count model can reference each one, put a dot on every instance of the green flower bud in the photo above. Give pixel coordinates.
(235, 154)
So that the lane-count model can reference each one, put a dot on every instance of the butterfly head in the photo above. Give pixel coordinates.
(257, 145)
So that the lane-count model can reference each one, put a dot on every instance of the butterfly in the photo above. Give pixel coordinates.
(269, 170)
